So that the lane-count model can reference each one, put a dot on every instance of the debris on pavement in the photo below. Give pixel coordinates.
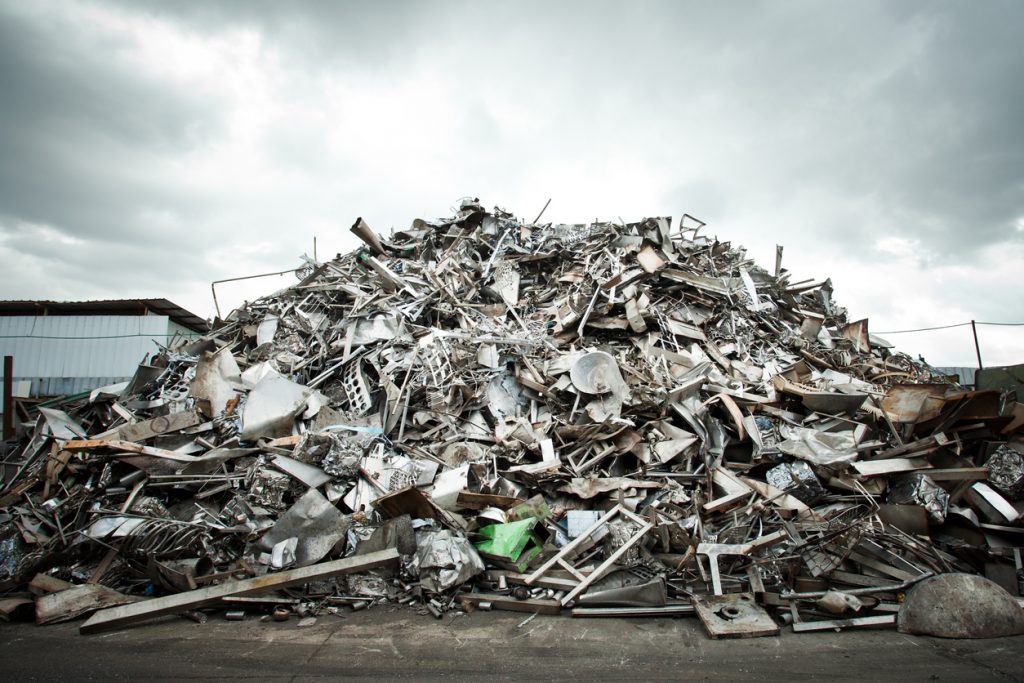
(960, 606)
(482, 413)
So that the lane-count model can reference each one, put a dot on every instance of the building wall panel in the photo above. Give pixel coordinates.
(82, 352)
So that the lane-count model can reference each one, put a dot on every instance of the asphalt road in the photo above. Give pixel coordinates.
(388, 643)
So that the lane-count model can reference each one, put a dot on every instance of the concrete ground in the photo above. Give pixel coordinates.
(386, 643)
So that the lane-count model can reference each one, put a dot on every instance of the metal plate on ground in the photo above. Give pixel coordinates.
(735, 615)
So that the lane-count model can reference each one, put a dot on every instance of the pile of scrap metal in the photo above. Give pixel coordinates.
(482, 413)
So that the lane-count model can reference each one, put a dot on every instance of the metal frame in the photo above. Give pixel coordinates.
(567, 551)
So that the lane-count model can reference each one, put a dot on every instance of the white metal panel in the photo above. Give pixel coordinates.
(64, 347)
(66, 386)
(183, 332)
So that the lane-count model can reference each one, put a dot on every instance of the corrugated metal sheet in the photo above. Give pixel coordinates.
(106, 307)
(965, 375)
(1003, 378)
(66, 386)
(184, 332)
(102, 348)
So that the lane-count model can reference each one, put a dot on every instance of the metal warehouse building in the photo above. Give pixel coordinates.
(68, 347)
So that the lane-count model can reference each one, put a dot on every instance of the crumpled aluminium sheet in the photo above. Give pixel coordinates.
(1006, 472)
(315, 522)
(444, 560)
(818, 448)
(920, 489)
(797, 479)
(272, 407)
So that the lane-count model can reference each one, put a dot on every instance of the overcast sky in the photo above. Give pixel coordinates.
(147, 149)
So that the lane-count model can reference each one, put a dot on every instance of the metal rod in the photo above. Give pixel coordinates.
(541, 211)
(213, 285)
(888, 588)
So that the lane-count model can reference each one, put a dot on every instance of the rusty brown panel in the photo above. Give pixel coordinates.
(910, 403)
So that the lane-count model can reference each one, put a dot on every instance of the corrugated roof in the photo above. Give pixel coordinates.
(107, 307)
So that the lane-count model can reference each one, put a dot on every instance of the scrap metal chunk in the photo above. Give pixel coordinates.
(734, 616)
(960, 606)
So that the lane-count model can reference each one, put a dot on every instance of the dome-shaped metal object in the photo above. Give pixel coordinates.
(597, 373)
(960, 606)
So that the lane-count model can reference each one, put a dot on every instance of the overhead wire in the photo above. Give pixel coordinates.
(947, 327)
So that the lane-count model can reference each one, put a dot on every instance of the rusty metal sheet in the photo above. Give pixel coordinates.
(911, 403)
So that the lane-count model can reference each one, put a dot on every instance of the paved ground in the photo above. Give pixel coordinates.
(392, 643)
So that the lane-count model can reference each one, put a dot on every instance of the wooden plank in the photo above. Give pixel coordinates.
(284, 441)
(261, 600)
(125, 447)
(543, 582)
(105, 563)
(479, 501)
(77, 601)
(140, 431)
(44, 583)
(76, 445)
(125, 615)
(729, 482)
(507, 602)
(726, 501)
(410, 501)
(9, 605)
(20, 489)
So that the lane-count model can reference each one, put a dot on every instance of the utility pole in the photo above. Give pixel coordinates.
(8, 397)
(977, 349)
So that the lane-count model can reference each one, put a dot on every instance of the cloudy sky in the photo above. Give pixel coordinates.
(148, 148)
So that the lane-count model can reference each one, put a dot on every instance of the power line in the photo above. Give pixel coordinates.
(193, 334)
(923, 329)
(946, 327)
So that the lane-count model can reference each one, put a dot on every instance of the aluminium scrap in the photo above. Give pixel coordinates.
(472, 372)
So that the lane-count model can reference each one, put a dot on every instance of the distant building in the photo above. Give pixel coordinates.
(964, 376)
(67, 347)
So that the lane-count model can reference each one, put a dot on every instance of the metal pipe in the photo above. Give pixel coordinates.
(541, 211)
(213, 285)
(859, 591)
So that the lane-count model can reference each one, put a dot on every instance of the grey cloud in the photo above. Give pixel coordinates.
(83, 140)
(320, 34)
(830, 124)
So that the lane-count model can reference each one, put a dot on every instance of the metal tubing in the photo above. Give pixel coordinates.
(213, 285)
